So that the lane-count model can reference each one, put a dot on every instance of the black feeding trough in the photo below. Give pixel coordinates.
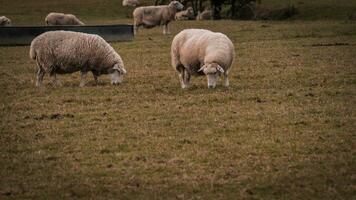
(23, 35)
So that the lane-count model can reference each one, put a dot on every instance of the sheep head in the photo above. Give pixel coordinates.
(117, 73)
(6, 21)
(176, 5)
(190, 10)
(212, 72)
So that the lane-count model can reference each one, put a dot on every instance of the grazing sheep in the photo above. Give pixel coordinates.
(202, 52)
(186, 14)
(4, 21)
(53, 19)
(133, 3)
(205, 15)
(151, 16)
(61, 52)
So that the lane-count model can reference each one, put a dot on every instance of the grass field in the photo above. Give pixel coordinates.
(285, 129)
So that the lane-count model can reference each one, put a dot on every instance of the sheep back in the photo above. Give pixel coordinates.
(153, 15)
(133, 3)
(62, 19)
(205, 15)
(67, 52)
(193, 48)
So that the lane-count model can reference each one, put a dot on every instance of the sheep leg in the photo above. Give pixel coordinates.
(82, 78)
(55, 81)
(226, 80)
(181, 79)
(95, 78)
(186, 78)
(181, 76)
(135, 28)
(165, 29)
(40, 74)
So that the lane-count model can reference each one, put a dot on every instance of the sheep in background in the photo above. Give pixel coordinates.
(202, 52)
(151, 16)
(133, 3)
(185, 15)
(61, 52)
(207, 14)
(53, 19)
(4, 21)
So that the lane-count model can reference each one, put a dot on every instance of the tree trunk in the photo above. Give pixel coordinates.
(201, 5)
(233, 9)
(216, 8)
(195, 6)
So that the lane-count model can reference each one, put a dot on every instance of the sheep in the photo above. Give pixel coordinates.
(185, 15)
(151, 16)
(4, 21)
(202, 52)
(53, 19)
(133, 3)
(62, 52)
(205, 15)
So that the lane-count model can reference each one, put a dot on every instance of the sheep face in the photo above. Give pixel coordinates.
(116, 74)
(212, 72)
(177, 5)
(190, 11)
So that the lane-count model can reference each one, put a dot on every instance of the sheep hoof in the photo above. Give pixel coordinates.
(185, 86)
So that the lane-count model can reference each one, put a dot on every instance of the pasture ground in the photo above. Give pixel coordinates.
(285, 129)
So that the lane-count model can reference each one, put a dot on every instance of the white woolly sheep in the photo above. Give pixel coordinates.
(186, 14)
(151, 16)
(205, 15)
(53, 19)
(133, 3)
(61, 52)
(202, 52)
(4, 21)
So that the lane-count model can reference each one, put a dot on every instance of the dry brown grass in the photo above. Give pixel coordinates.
(283, 130)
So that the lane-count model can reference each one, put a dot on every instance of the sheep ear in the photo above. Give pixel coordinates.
(220, 69)
(202, 68)
(116, 66)
(122, 70)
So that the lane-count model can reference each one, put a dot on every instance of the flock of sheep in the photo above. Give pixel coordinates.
(194, 52)
(151, 16)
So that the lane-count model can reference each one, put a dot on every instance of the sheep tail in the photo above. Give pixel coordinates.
(32, 53)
